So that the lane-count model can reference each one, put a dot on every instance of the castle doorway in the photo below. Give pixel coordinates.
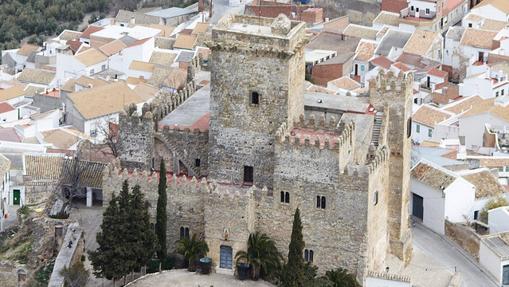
(225, 257)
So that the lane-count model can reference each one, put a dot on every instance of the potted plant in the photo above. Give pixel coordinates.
(262, 256)
(192, 249)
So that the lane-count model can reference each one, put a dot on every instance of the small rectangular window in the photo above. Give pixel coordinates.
(502, 92)
(308, 255)
(248, 175)
(321, 202)
(197, 162)
(417, 9)
(427, 11)
(375, 198)
(496, 94)
(255, 98)
(409, 127)
(430, 132)
(417, 128)
(469, 25)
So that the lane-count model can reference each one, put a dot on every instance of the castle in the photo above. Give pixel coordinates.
(249, 149)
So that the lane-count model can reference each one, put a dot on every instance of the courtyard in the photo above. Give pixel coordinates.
(183, 278)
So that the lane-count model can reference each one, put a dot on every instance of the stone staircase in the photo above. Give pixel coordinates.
(179, 155)
(377, 126)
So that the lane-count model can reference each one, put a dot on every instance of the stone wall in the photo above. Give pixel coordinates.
(186, 146)
(69, 254)
(464, 236)
(136, 141)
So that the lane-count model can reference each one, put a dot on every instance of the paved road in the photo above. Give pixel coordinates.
(448, 254)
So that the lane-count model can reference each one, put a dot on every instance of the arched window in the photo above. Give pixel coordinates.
(184, 232)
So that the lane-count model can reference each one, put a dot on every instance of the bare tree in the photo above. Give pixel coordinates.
(110, 133)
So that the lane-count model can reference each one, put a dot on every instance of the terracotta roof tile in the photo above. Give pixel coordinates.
(90, 30)
(432, 176)
(106, 100)
(429, 116)
(91, 57)
(420, 42)
(365, 50)
(112, 47)
(185, 41)
(486, 184)
(382, 61)
(478, 38)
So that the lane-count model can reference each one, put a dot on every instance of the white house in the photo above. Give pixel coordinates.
(424, 121)
(92, 109)
(494, 256)
(86, 63)
(489, 84)
(438, 195)
(493, 9)
(498, 219)
(5, 164)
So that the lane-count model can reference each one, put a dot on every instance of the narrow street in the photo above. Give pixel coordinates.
(448, 255)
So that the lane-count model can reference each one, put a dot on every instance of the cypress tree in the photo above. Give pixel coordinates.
(107, 259)
(294, 271)
(143, 239)
(161, 216)
(127, 235)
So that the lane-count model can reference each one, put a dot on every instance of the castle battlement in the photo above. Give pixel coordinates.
(312, 123)
(388, 81)
(178, 130)
(163, 103)
(321, 134)
(264, 36)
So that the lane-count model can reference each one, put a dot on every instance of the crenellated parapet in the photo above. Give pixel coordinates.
(328, 134)
(261, 36)
(178, 130)
(379, 159)
(332, 124)
(388, 81)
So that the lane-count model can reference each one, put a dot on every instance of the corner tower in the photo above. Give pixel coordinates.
(257, 78)
(392, 95)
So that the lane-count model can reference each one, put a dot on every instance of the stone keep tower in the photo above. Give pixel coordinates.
(392, 95)
(257, 82)
(136, 139)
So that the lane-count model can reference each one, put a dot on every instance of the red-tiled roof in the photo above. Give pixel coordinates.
(74, 44)
(9, 135)
(437, 73)
(90, 29)
(5, 107)
(382, 61)
(394, 5)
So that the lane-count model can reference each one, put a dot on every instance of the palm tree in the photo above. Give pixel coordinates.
(341, 278)
(262, 255)
(192, 249)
